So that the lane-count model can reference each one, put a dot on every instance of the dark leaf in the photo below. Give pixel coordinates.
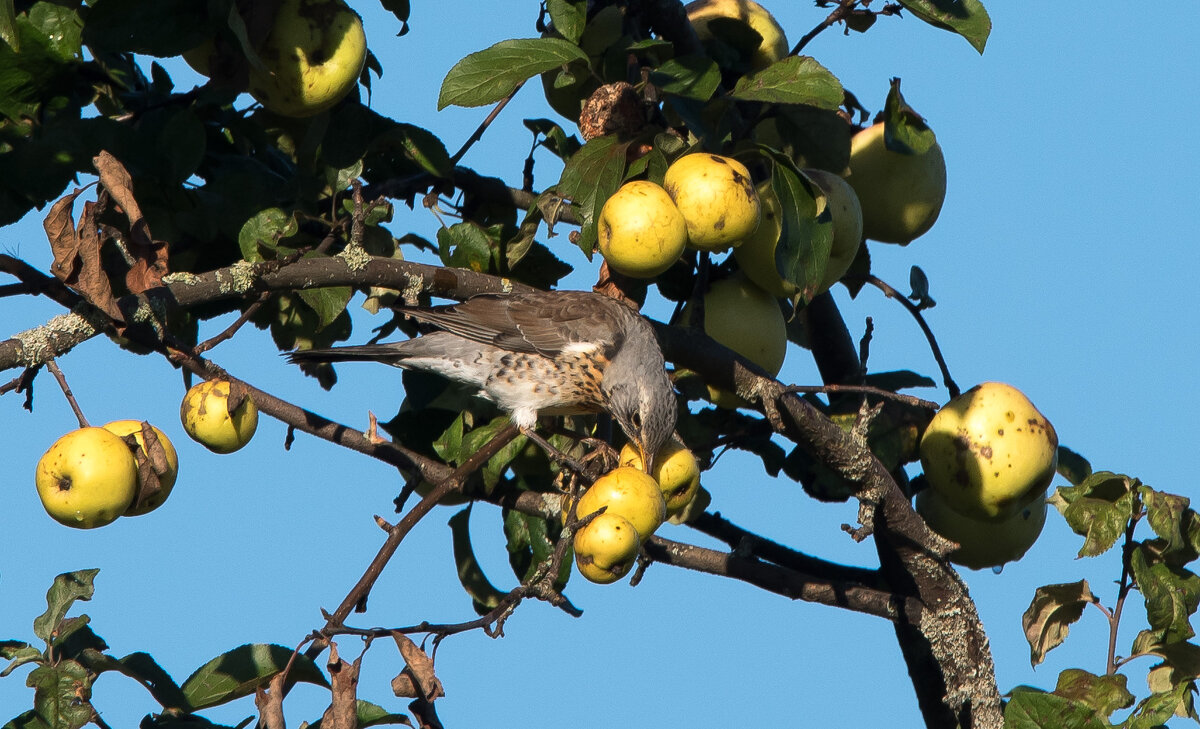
(1048, 619)
(240, 671)
(693, 77)
(1172, 595)
(264, 231)
(968, 18)
(920, 288)
(490, 75)
(589, 178)
(569, 17)
(1072, 466)
(484, 597)
(898, 380)
(1032, 709)
(1105, 694)
(1166, 512)
(806, 237)
(62, 694)
(161, 28)
(142, 668)
(792, 80)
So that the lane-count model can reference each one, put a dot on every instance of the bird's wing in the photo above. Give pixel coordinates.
(543, 323)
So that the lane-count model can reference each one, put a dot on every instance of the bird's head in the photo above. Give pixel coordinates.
(644, 407)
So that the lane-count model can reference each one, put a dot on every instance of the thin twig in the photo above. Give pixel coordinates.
(1125, 585)
(864, 389)
(62, 382)
(841, 11)
(892, 293)
(478, 133)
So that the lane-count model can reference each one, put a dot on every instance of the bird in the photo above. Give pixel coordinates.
(540, 353)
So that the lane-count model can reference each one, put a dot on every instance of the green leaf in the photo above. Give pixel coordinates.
(555, 139)
(495, 466)
(1032, 709)
(1048, 618)
(1099, 509)
(448, 445)
(8, 25)
(329, 302)
(806, 237)
(487, 76)
(484, 597)
(467, 245)
(264, 230)
(27, 720)
(425, 149)
(968, 18)
(160, 28)
(1181, 663)
(240, 671)
(693, 77)
(372, 715)
(569, 17)
(792, 80)
(60, 25)
(18, 653)
(1165, 512)
(529, 543)
(589, 178)
(66, 589)
(1172, 595)
(1158, 708)
(142, 668)
(1105, 694)
(904, 130)
(62, 694)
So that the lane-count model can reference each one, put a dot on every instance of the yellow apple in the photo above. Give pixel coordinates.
(207, 419)
(716, 198)
(87, 479)
(988, 452)
(983, 543)
(312, 57)
(606, 548)
(774, 45)
(641, 231)
(901, 194)
(166, 479)
(756, 256)
(629, 493)
(675, 469)
(746, 319)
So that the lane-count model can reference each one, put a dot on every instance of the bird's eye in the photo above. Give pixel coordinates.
(637, 420)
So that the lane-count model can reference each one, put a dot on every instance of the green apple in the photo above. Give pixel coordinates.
(983, 543)
(901, 194)
(87, 479)
(989, 452)
(774, 45)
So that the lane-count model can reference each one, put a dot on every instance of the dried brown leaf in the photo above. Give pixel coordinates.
(150, 256)
(60, 230)
(343, 707)
(269, 700)
(419, 669)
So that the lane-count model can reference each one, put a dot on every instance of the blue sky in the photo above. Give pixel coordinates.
(1063, 263)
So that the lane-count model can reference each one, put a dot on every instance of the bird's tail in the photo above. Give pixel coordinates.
(385, 353)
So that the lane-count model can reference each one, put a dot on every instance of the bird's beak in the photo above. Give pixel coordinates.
(647, 458)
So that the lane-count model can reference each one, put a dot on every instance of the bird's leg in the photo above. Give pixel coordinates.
(553, 453)
(601, 453)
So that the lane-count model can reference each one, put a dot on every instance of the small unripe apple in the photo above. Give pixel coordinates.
(166, 479)
(208, 420)
(629, 493)
(901, 194)
(87, 479)
(606, 548)
(675, 469)
(983, 543)
(989, 452)
(716, 198)
(641, 231)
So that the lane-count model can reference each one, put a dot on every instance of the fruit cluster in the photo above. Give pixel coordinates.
(91, 476)
(634, 505)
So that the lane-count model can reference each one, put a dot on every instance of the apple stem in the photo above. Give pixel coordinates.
(62, 382)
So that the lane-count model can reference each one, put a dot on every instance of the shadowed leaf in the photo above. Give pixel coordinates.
(240, 671)
(968, 18)
(490, 75)
(792, 80)
(1048, 619)
(484, 597)
(66, 589)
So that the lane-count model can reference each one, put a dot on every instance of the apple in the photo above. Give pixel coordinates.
(208, 420)
(716, 198)
(983, 543)
(756, 256)
(901, 194)
(675, 470)
(87, 479)
(743, 317)
(988, 453)
(313, 57)
(606, 548)
(774, 44)
(166, 479)
(629, 493)
(641, 231)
